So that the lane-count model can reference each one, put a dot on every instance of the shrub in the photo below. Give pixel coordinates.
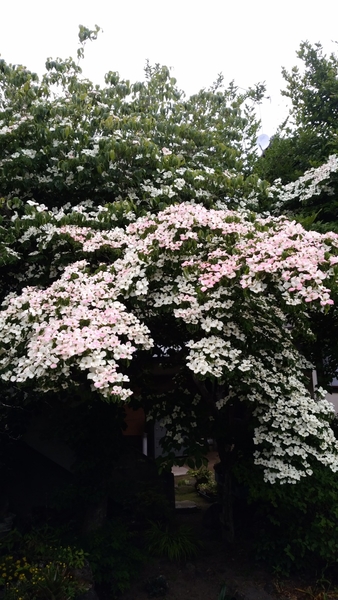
(42, 579)
(205, 480)
(202, 475)
(296, 526)
(113, 556)
(35, 566)
(150, 503)
(175, 543)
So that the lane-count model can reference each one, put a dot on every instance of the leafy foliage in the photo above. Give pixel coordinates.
(175, 543)
(35, 569)
(301, 160)
(314, 90)
(295, 528)
(310, 139)
(205, 480)
(113, 555)
(64, 140)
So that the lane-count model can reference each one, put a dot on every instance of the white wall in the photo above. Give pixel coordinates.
(334, 399)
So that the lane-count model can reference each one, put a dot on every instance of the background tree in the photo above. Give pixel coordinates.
(64, 139)
(311, 125)
(301, 165)
(308, 137)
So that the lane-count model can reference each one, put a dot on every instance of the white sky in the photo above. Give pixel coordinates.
(247, 40)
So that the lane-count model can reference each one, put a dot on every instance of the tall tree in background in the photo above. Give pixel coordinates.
(301, 166)
(64, 139)
(309, 136)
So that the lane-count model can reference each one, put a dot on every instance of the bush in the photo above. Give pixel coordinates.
(51, 581)
(202, 475)
(113, 556)
(296, 526)
(175, 543)
(148, 503)
(37, 567)
(205, 480)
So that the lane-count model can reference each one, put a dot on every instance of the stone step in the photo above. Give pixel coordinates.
(185, 505)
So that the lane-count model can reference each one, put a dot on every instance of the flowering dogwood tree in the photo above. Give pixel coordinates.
(226, 291)
(312, 200)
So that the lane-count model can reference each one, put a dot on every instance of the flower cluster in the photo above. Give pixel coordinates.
(75, 321)
(314, 182)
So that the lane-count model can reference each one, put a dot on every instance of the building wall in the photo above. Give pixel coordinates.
(334, 399)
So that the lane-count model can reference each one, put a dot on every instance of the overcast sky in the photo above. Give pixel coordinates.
(246, 40)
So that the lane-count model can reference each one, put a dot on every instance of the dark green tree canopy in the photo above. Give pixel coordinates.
(313, 90)
(64, 139)
(308, 138)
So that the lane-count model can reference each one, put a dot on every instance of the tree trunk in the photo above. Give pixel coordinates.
(225, 448)
(95, 516)
(224, 472)
(227, 517)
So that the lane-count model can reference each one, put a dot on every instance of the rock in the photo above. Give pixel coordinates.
(185, 505)
(6, 523)
(156, 586)
(191, 570)
(90, 595)
(248, 592)
(85, 576)
(211, 517)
